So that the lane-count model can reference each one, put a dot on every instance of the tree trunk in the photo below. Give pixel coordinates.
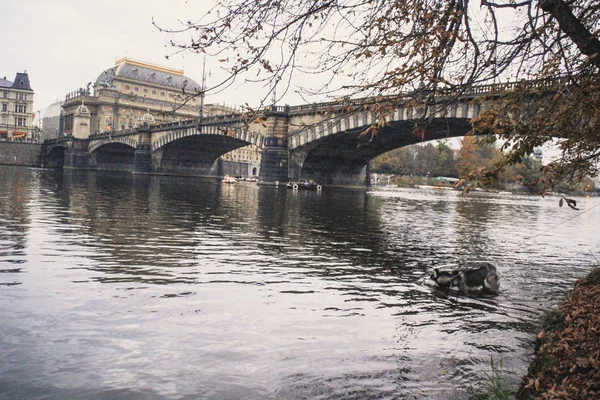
(570, 25)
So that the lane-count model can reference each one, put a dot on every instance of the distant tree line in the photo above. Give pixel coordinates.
(418, 160)
(435, 160)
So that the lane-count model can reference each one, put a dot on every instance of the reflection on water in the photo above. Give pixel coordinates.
(119, 286)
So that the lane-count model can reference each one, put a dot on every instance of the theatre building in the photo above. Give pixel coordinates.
(121, 95)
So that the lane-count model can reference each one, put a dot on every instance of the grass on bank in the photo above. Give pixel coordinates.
(493, 384)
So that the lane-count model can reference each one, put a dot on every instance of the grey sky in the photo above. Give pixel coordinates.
(64, 44)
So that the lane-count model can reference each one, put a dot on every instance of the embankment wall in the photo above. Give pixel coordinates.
(21, 153)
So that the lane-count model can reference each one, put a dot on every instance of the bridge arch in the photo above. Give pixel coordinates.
(55, 156)
(335, 153)
(116, 154)
(193, 150)
(242, 133)
(125, 140)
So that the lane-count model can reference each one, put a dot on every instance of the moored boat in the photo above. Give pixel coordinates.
(229, 179)
(304, 184)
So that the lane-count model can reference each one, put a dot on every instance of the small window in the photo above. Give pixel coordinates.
(5, 95)
(145, 90)
(162, 94)
(154, 92)
(4, 106)
(127, 87)
(136, 89)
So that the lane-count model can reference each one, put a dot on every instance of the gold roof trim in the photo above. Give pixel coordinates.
(149, 65)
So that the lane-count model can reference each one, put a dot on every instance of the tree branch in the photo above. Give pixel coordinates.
(572, 26)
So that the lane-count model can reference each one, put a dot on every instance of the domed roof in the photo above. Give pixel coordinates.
(147, 73)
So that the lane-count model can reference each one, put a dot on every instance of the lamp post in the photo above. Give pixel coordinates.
(11, 135)
(15, 118)
(4, 122)
(39, 127)
(7, 124)
(202, 94)
(8, 134)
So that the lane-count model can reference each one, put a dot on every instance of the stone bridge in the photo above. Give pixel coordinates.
(316, 141)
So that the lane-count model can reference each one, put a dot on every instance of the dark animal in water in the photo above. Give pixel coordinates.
(483, 276)
(443, 278)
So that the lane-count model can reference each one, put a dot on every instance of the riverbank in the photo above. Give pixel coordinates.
(567, 361)
(419, 182)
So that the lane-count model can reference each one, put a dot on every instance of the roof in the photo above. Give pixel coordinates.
(5, 83)
(127, 68)
(22, 81)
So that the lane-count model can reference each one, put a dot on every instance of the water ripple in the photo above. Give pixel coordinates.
(120, 287)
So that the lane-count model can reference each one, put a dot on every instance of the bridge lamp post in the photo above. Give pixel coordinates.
(15, 125)
(202, 94)
(8, 134)
(39, 127)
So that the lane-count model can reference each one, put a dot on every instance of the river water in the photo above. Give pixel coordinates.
(115, 286)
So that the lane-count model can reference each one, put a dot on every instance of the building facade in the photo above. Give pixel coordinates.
(244, 161)
(50, 121)
(16, 108)
(123, 94)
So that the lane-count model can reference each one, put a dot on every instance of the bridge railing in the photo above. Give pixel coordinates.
(477, 90)
(206, 121)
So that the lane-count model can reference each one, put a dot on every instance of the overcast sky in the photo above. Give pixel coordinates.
(64, 44)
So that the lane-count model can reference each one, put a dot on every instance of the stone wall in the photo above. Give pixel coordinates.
(20, 153)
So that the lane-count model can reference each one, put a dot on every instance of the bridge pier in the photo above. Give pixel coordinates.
(142, 162)
(274, 161)
(77, 157)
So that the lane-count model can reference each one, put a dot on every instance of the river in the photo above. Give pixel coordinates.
(115, 286)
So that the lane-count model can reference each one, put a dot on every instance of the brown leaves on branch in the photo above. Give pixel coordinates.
(561, 111)
(438, 48)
